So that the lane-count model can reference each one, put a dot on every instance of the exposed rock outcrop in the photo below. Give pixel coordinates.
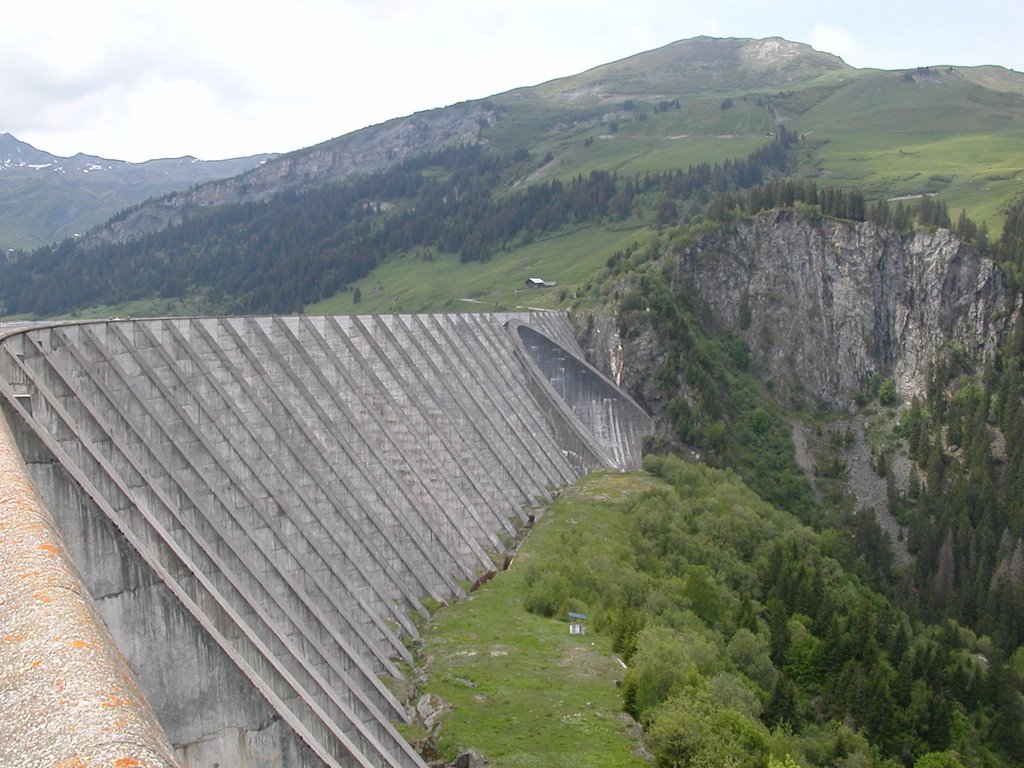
(824, 304)
(365, 151)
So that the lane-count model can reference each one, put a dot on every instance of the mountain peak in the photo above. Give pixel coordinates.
(777, 50)
(15, 153)
(701, 64)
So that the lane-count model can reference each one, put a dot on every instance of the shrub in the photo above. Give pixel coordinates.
(694, 730)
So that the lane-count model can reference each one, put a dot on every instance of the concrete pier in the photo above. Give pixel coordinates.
(260, 507)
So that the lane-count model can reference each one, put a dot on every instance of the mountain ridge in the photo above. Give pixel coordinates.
(364, 151)
(726, 88)
(46, 197)
(12, 147)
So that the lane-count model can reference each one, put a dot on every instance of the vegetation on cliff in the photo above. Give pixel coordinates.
(962, 504)
(952, 619)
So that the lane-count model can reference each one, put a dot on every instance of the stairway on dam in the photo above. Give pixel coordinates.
(261, 507)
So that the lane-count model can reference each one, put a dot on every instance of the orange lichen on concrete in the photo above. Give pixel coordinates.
(61, 675)
(112, 701)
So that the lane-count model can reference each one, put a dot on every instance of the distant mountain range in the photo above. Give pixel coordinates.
(954, 133)
(44, 197)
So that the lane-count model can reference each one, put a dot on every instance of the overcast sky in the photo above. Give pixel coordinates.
(139, 79)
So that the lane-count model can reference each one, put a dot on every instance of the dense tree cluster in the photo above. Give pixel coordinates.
(743, 632)
(904, 217)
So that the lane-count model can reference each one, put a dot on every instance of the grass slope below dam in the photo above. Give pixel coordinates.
(521, 689)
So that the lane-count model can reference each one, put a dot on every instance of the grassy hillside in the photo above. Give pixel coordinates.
(940, 131)
(441, 283)
(976, 172)
(637, 149)
(745, 637)
(699, 65)
(952, 131)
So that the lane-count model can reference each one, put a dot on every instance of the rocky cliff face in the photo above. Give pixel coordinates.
(371, 149)
(824, 304)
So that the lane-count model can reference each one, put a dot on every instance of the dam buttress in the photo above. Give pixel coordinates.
(260, 506)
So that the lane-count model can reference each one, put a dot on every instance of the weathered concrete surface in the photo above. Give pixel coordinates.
(218, 715)
(259, 505)
(67, 695)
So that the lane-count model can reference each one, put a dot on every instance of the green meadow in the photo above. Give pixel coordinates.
(522, 690)
(440, 282)
(978, 172)
(628, 154)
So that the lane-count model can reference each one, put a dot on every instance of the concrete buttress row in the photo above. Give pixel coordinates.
(260, 506)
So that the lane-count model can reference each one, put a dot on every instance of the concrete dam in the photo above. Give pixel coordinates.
(250, 516)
